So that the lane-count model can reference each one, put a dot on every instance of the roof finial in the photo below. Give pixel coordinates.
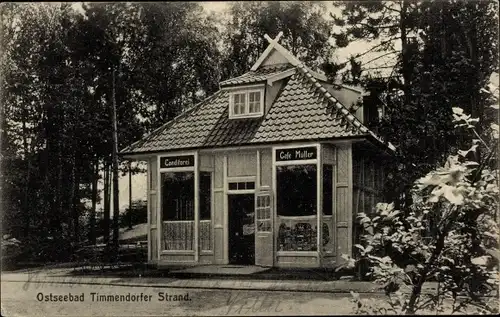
(276, 39)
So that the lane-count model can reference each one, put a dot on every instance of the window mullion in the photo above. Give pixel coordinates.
(247, 103)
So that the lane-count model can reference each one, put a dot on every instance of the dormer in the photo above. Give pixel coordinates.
(246, 101)
(252, 94)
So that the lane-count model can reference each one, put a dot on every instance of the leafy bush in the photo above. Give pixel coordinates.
(138, 214)
(448, 235)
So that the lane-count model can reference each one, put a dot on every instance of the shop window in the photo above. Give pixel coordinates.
(327, 189)
(297, 207)
(205, 195)
(178, 210)
(178, 195)
(205, 202)
(296, 190)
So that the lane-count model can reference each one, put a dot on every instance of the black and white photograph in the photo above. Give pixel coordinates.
(249, 158)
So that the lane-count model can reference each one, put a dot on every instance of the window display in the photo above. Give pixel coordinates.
(205, 197)
(297, 207)
(327, 189)
(177, 192)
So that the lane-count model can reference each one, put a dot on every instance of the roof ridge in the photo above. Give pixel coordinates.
(170, 122)
(275, 68)
(343, 110)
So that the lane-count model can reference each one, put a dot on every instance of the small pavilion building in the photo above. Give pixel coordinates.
(270, 170)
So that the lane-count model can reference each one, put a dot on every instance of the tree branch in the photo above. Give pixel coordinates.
(380, 67)
(379, 57)
(391, 9)
(379, 27)
(376, 46)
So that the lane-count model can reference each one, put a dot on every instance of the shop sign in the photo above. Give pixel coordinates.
(176, 161)
(296, 154)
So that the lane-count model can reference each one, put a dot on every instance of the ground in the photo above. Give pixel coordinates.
(20, 299)
(38, 292)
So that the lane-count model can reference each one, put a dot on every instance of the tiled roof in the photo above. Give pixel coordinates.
(261, 74)
(304, 110)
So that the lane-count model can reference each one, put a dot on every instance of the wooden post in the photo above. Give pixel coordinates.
(130, 194)
(319, 204)
(196, 207)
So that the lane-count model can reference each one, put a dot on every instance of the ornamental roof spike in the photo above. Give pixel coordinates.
(275, 40)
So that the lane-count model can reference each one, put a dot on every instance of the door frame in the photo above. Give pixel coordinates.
(240, 192)
(227, 192)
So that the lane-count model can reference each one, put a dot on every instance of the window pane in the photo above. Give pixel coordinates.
(233, 186)
(297, 234)
(236, 108)
(254, 96)
(178, 195)
(254, 107)
(254, 102)
(241, 185)
(327, 189)
(296, 190)
(250, 185)
(239, 103)
(205, 195)
(297, 207)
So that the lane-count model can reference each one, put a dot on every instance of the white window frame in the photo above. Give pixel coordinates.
(247, 93)
(319, 196)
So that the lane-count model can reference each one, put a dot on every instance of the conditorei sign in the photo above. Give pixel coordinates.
(176, 161)
(297, 154)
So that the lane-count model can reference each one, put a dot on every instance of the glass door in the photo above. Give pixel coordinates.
(264, 251)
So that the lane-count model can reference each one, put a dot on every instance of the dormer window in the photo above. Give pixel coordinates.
(247, 103)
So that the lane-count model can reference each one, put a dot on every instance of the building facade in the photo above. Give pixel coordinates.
(269, 171)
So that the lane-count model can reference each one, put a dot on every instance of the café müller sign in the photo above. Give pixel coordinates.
(176, 161)
(296, 154)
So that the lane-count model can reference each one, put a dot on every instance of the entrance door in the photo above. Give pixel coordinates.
(241, 208)
(264, 251)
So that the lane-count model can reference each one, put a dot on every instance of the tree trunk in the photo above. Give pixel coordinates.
(107, 183)
(70, 200)
(26, 204)
(406, 72)
(76, 203)
(95, 176)
(404, 52)
(116, 210)
(56, 218)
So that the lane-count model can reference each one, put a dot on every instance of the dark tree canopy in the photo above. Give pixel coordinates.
(448, 50)
(306, 33)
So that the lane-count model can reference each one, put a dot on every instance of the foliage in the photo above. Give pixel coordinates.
(138, 214)
(57, 97)
(431, 55)
(449, 235)
(306, 33)
(178, 59)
